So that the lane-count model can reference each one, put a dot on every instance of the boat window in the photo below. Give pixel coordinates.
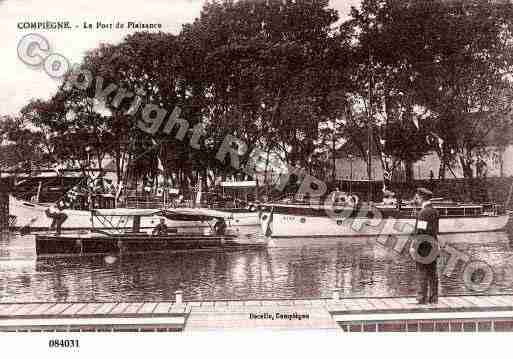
(475, 211)
(455, 211)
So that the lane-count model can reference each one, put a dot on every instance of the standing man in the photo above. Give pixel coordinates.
(425, 248)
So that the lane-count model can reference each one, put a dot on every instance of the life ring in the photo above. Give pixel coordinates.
(345, 200)
(351, 200)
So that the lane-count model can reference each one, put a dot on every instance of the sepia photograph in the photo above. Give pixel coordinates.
(305, 166)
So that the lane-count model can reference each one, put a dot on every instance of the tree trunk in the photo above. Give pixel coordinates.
(408, 167)
(501, 161)
(441, 170)
(334, 173)
(466, 166)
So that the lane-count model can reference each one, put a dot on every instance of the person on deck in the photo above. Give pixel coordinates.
(389, 198)
(58, 217)
(160, 229)
(220, 227)
(425, 248)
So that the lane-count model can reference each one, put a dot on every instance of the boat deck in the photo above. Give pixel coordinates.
(454, 313)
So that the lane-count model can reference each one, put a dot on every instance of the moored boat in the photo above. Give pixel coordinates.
(120, 240)
(32, 217)
(282, 220)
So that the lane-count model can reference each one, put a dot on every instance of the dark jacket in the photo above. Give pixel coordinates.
(426, 224)
(428, 215)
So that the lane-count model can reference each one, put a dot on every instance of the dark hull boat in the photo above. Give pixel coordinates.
(52, 245)
(119, 240)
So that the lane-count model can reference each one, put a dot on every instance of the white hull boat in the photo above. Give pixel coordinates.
(282, 221)
(32, 216)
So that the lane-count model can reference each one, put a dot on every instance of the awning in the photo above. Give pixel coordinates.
(240, 184)
(126, 212)
(194, 214)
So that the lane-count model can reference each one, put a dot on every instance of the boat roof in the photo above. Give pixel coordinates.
(193, 214)
(183, 214)
(124, 212)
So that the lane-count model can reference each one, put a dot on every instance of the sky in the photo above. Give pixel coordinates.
(19, 82)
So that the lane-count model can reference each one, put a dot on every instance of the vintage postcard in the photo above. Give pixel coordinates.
(201, 166)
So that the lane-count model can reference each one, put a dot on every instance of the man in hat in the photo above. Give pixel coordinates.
(425, 248)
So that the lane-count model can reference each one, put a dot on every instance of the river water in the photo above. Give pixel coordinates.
(299, 268)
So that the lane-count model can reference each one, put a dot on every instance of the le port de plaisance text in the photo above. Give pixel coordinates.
(86, 25)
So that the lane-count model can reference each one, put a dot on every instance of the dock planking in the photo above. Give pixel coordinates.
(6, 309)
(506, 301)
(104, 308)
(495, 301)
(24, 309)
(119, 308)
(74, 309)
(151, 316)
(43, 309)
(179, 309)
(162, 308)
(147, 308)
(132, 308)
(57, 309)
(481, 312)
(89, 309)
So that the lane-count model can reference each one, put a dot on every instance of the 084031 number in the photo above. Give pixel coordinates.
(63, 343)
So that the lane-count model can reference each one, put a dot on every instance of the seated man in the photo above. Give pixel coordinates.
(160, 229)
(220, 227)
(389, 198)
(58, 217)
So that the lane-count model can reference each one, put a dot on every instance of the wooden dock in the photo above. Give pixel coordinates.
(455, 313)
(163, 316)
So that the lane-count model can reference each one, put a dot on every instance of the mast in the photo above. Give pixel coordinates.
(369, 128)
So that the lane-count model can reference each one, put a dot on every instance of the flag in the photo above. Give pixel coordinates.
(198, 194)
(159, 165)
(415, 121)
(120, 189)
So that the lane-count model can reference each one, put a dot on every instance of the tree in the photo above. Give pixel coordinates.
(22, 148)
(382, 100)
(456, 56)
(78, 133)
(268, 69)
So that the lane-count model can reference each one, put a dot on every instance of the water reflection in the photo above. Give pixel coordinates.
(299, 268)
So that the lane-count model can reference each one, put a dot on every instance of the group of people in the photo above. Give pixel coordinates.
(161, 229)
